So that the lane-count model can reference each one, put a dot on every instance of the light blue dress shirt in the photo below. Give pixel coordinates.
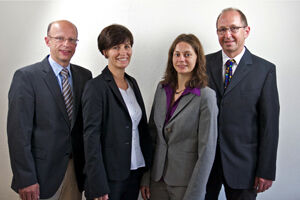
(57, 69)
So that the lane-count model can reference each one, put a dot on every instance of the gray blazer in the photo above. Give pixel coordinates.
(185, 146)
(40, 135)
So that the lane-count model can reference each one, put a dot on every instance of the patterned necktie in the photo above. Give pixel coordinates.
(67, 92)
(228, 72)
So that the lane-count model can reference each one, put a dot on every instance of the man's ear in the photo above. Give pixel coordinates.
(47, 41)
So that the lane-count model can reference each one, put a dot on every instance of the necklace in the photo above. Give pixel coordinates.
(179, 91)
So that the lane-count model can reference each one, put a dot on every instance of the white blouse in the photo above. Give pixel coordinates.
(135, 112)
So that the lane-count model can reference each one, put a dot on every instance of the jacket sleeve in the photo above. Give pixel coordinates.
(92, 103)
(20, 128)
(207, 140)
(153, 134)
(268, 118)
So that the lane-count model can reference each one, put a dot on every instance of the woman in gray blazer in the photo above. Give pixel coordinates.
(183, 125)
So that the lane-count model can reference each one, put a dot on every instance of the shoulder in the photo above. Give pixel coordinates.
(258, 60)
(28, 71)
(97, 82)
(213, 56)
(208, 93)
(83, 71)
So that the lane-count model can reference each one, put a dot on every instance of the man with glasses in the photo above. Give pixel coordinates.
(247, 97)
(44, 124)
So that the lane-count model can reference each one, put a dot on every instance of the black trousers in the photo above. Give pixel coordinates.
(216, 180)
(127, 189)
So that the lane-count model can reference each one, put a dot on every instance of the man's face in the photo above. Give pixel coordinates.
(61, 40)
(232, 43)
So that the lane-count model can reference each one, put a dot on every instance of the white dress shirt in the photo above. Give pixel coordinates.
(237, 61)
(135, 112)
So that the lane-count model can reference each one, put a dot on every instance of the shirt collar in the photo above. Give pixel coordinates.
(195, 91)
(57, 67)
(237, 58)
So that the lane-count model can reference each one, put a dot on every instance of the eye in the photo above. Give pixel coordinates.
(176, 54)
(127, 46)
(72, 40)
(187, 54)
(115, 47)
(60, 39)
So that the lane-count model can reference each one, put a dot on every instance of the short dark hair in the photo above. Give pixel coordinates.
(199, 77)
(113, 35)
(243, 17)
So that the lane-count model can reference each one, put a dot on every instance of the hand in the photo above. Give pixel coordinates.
(145, 191)
(261, 184)
(104, 197)
(31, 192)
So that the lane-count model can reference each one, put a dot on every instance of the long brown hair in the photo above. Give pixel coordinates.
(199, 77)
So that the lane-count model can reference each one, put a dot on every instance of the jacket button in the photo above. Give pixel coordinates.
(126, 126)
(169, 130)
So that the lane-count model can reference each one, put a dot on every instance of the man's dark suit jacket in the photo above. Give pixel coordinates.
(40, 134)
(108, 133)
(248, 119)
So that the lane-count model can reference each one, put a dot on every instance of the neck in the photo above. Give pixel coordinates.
(118, 74)
(233, 54)
(181, 81)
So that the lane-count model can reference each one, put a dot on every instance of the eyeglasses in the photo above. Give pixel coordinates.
(62, 39)
(233, 29)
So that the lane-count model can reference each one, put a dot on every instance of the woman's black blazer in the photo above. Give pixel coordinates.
(108, 133)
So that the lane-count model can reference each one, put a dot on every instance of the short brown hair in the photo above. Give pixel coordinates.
(199, 77)
(113, 35)
(243, 17)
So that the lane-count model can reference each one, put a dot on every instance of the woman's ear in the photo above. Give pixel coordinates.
(105, 53)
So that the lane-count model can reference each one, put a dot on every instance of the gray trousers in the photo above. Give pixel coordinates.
(160, 190)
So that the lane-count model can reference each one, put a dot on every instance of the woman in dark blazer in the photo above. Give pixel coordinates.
(183, 123)
(116, 138)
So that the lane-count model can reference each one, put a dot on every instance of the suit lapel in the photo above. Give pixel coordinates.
(182, 103)
(160, 110)
(241, 71)
(217, 72)
(76, 93)
(51, 82)
(113, 86)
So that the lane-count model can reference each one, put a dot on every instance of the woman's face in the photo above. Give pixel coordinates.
(184, 58)
(119, 56)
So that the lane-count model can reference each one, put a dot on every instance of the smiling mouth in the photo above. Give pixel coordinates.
(181, 66)
(122, 59)
(65, 51)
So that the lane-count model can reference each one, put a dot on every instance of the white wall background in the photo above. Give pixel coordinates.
(274, 35)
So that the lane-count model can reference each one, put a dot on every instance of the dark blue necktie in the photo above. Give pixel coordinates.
(228, 72)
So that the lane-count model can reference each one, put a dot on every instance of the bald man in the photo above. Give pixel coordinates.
(248, 121)
(44, 124)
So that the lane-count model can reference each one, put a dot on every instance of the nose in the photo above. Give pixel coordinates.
(227, 33)
(123, 51)
(181, 57)
(66, 42)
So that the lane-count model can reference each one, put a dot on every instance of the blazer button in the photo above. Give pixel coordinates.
(126, 126)
(127, 143)
(169, 130)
